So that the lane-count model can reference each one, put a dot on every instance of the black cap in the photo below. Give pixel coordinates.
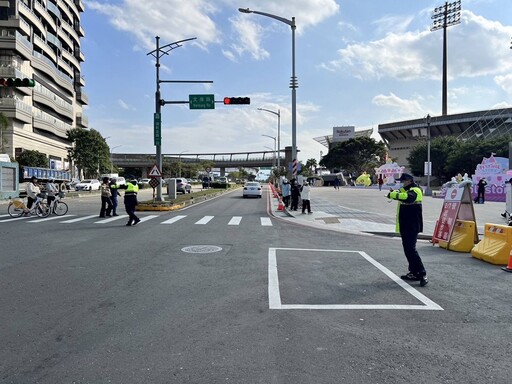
(404, 177)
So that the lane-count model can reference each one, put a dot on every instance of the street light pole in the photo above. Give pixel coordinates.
(179, 162)
(112, 151)
(278, 114)
(273, 138)
(428, 191)
(293, 82)
(445, 16)
(157, 54)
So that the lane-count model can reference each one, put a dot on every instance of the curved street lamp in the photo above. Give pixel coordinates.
(293, 81)
(273, 138)
(278, 114)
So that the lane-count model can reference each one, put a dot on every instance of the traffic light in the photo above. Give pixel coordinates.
(237, 100)
(17, 82)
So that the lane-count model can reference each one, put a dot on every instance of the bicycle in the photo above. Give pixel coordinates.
(17, 207)
(57, 206)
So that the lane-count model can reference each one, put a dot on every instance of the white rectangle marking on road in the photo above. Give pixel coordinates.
(110, 219)
(174, 219)
(78, 219)
(204, 220)
(235, 220)
(48, 219)
(274, 296)
(266, 222)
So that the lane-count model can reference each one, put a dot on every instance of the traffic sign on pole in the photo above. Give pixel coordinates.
(201, 101)
(157, 128)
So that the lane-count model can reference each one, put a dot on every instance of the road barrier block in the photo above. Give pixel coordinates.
(495, 246)
(463, 237)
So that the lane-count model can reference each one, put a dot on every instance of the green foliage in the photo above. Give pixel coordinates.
(33, 159)
(4, 123)
(90, 152)
(357, 155)
(450, 156)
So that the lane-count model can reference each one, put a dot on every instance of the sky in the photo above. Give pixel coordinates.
(358, 62)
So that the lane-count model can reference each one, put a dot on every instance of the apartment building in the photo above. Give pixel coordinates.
(40, 40)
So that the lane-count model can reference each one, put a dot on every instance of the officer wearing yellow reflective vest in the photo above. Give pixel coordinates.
(130, 201)
(409, 222)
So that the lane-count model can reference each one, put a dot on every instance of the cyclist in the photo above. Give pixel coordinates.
(32, 191)
(51, 190)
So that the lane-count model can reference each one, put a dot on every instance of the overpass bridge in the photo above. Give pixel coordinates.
(221, 161)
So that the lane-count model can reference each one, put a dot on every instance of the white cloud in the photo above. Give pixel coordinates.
(505, 82)
(403, 106)
(123, 105)
(477, 47)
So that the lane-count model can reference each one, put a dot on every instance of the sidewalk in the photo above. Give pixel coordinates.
(359, 209)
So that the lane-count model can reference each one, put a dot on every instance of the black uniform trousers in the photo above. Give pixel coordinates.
(409, 239)
(130, 202)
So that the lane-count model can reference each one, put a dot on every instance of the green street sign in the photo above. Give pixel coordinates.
(157, 128)
(201, 101)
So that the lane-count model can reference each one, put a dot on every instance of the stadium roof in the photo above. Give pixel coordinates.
(327, 139)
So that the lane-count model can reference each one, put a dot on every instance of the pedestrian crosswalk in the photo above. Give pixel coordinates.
(158, 219)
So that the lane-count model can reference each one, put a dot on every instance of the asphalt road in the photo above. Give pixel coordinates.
(231, 290)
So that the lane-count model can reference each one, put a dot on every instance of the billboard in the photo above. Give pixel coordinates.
(343, 133)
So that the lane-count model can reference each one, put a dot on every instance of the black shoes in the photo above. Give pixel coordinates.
(136, 222)
(412, 277)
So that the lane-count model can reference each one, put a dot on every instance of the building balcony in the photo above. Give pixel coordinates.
(45, 15)
(15, 41)
(82, 120)
(16, 109)
(82, 96)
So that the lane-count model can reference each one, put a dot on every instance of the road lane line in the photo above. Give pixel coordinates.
(110, 219)
(78, 219)
(266, 222)
(204, 220)
(173, 219)
(235, 220)
(47, 219)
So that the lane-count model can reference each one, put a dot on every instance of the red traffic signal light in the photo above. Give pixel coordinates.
(16, 82)
(237, 100)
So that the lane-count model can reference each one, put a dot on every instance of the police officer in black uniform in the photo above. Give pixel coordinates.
(409, 224)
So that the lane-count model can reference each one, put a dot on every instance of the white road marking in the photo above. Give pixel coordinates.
(110, 219)
(274, 296)
(173, 219)
(204, 220)
(266, 222)
(47, 219)
(78, 219)
(235, 220)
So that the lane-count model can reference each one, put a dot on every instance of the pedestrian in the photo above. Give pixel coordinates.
(305, 195)
(409, 222)
(51, 190)
(336, 183)
(32, 191)
(295, 194)
(114, 191)
(106, 203)
(480, 198)
(285, 192)
(380, 182)
(130, 201)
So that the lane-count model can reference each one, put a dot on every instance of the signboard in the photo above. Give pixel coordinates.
(154, 182)
(201, 101)
(343, 133)
(157, 128)
(155, 172)
(457, 205)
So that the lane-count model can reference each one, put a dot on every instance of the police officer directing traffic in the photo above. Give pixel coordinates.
(130, 201)
(409, 222)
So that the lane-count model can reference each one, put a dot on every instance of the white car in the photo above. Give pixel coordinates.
(88, 185)
(252, 188)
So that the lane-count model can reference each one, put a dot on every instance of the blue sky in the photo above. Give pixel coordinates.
(358, 62)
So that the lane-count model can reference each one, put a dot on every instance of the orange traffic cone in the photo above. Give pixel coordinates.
(508, 268)
(280, 206)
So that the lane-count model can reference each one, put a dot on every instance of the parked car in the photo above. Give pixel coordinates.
(88, 185)
(182, 185)
(72, 184)
(144, 183)
(252, 188)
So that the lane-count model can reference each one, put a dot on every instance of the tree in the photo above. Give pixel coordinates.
(90, 152)
(31, 158)
(310, 164)
(357, 155)
(4, 123)
(450, 156)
